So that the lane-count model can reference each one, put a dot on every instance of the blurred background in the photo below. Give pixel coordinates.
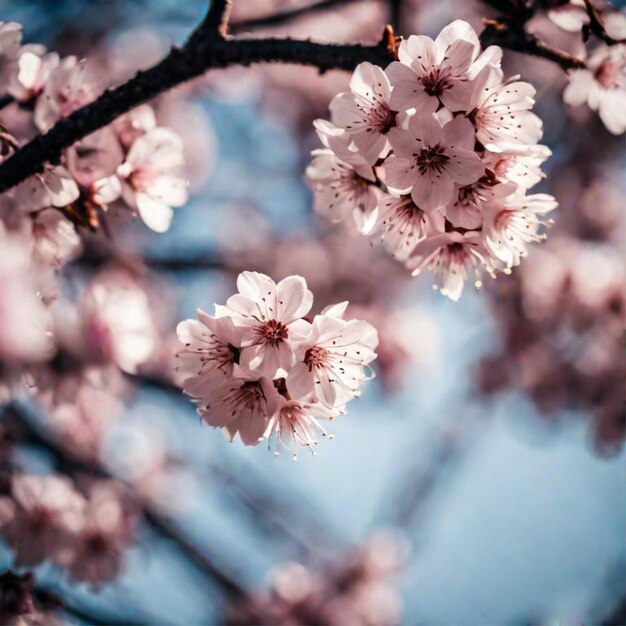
(479, 480)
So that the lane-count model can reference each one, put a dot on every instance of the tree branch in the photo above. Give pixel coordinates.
(511, 35)
(205, 49)
(596, 24)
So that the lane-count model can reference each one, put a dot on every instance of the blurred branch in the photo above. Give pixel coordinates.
(512, 35)
(72, 608)
(596, 25)
(282, 17)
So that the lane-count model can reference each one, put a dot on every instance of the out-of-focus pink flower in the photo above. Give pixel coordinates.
(429, 159)
(24, 321)
(602, 86)
(150, 183)
(117, 322)
(34, 68)
(55, 240)
(358, 589)
(40, 519)
(451, 257)
(98, 547)
(68, 88)
(10, 40)
(511, 224)
(134, 124)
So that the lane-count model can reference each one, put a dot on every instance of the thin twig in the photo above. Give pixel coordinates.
(596, 24)
(501, 33)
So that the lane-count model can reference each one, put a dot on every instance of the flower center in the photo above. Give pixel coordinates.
(315, 356)
(433, 159)
(435, 83)
(272, 332)
(608, 74)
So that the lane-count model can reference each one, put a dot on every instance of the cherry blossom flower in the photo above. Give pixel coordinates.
(55, 187)
(333, 357)
(55, 240)
(113, 323)
(602, 86)
(41, 518)
(518, 164)
(258, 370)
(451, 257)
(295, 423)
(34, 68)
(511, 224)
(430, 72)
(430, 159)
(211, 350)
(10, 40)
(134, 124)
(404, 225)
(241, 407)
(24, 320)
(98, 546)
(342, 191)
(467, 210)
(150, 183)
(68, 88)
(268, 317)
(364, 112)
(503, 117)
(343, 182)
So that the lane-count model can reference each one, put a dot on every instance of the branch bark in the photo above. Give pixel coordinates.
(596, 25)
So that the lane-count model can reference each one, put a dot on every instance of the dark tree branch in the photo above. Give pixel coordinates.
(204, 50)
(512, 36)
(596, 24)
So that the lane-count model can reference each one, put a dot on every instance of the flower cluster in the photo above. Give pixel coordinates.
(435, 154)
(46, 517)
(358, 589)
(259, 370)
(133, 163)
(602, 83)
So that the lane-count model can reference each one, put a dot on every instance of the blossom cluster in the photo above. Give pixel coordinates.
(602, 83)
(435, 154)
(132, 164)
(259, 369)
(358, 589)
(47, 518)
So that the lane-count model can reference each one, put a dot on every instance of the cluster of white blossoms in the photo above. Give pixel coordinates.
(259, 370)
(435, 154)
(133, 164)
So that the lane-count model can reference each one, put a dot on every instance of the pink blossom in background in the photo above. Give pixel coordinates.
(602, 87)
(41, 518)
